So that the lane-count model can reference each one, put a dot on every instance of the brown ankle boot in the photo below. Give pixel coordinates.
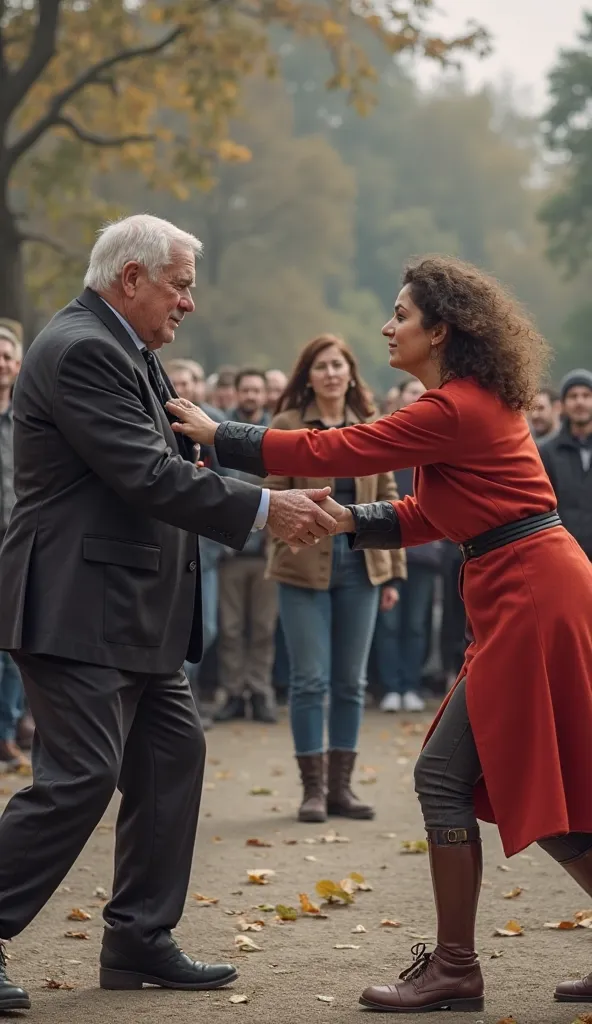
(314, 800)
(341, 800)
(450, 977)
(580, 870)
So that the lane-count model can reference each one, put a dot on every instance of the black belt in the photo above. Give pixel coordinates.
(508, 533)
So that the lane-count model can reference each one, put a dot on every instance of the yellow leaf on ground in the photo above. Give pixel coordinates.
(511, 930)
(260, 876)
(332, 892)
(286, 913)
(513, 893)
(79, 915)
(246, 945)
(266, 908)
(205, 901)
(562, 926)
(414, 846)
(359, 881)
(390, 924)
(258, 842)
(307, 906)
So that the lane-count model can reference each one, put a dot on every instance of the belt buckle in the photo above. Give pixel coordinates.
(456, 835)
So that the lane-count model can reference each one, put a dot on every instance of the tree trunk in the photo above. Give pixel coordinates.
(12, 302)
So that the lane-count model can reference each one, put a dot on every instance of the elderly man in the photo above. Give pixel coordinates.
(99, 604)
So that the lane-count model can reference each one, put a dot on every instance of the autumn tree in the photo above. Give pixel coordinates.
(88, 85)
(568, 129)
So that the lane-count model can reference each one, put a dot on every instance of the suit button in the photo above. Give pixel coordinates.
(192, 566)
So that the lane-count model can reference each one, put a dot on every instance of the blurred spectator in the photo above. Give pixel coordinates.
(329, 595)
(276, 383)
(403, 632)
(12, 700)
(248, 601)
(567, 458)
(545, 415)
(188, 380)
(223, 394)
(391, 402)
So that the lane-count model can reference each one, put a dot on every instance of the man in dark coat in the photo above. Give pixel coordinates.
(100, 604)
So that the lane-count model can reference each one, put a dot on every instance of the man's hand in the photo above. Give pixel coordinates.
(388, 598)
(296, 517)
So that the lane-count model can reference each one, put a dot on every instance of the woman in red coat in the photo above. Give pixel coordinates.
(511, 743)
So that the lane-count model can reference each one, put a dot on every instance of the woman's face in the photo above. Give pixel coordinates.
(330, 374)
(410, 344)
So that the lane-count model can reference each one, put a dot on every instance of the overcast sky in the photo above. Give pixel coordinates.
(527, 35)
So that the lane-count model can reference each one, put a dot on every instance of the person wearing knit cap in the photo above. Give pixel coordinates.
(568, 457)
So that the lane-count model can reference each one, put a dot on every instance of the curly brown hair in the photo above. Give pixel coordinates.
(297, 393)
(491, 338)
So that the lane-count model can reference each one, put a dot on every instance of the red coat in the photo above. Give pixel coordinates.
(529, 669)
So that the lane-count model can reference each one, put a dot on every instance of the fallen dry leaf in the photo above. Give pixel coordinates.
(309, 841)
(246, 945)
(511, 930)
(584, 1018)
(236, 999)
(508, 1020)
(359, 881)
(414, 846)
(325, 999)
(496, 954)
(261, 791)
(223, 776)
(563, 926)
(310, 857)
(249, 926)
(260, 876)
(76, 935)
(503, 867)
(390, 924)
(513, 893)
(79, 915)
(332, 892)
(345, 945)
(368, 780)
(100, 893)
(333, 837)
(286, 913)
(358, 930)
(205, 901)
(54, 983)
(307, 906)
(583, 915)
(258, 842)
(266, 908)
(290, 842)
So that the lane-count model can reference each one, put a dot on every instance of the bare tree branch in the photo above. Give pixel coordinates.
(101, 140)
(42, 49)
(92, 74)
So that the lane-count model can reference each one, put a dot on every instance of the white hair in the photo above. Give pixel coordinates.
(142, 238)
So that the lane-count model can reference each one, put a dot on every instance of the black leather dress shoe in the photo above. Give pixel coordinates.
(11, 996)
(233, 708)
(177, 971)
(262, 710)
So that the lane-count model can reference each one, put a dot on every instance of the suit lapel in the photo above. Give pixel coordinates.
(90, 300)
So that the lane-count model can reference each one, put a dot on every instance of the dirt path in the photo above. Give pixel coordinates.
(298, 961)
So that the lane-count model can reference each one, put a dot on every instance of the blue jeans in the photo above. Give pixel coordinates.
(209, 610)
(328, 634)
(400, 638)
(12, 700)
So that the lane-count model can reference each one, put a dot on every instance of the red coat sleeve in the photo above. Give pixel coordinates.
(423, 433)
(415, 528)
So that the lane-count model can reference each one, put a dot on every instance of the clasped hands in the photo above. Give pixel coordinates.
(299, 517)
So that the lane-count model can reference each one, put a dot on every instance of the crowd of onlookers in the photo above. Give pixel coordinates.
(326, 622)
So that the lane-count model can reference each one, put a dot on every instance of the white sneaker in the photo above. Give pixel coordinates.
(391, 702)
(413, 702)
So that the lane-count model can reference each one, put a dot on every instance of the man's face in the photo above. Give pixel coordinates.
(577, 406)
(184, 384)
(251, 394)
(9, 364)
(276, 383)
(225, 396)
(156, 308)
(544, 415)
(411, 393)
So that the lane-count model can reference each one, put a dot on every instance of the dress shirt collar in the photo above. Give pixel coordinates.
(137, 341)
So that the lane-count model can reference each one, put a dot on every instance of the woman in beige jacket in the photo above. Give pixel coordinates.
(329, 596)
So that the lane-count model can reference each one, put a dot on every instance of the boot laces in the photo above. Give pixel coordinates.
(420, 963)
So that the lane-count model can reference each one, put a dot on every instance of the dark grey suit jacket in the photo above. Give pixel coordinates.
(100, 561)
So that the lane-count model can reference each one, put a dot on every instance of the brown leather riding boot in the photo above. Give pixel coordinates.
(314, 800)
(341, 800)
(580, 870)
(450, 977)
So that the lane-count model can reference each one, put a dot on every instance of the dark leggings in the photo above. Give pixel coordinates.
(447, 771)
